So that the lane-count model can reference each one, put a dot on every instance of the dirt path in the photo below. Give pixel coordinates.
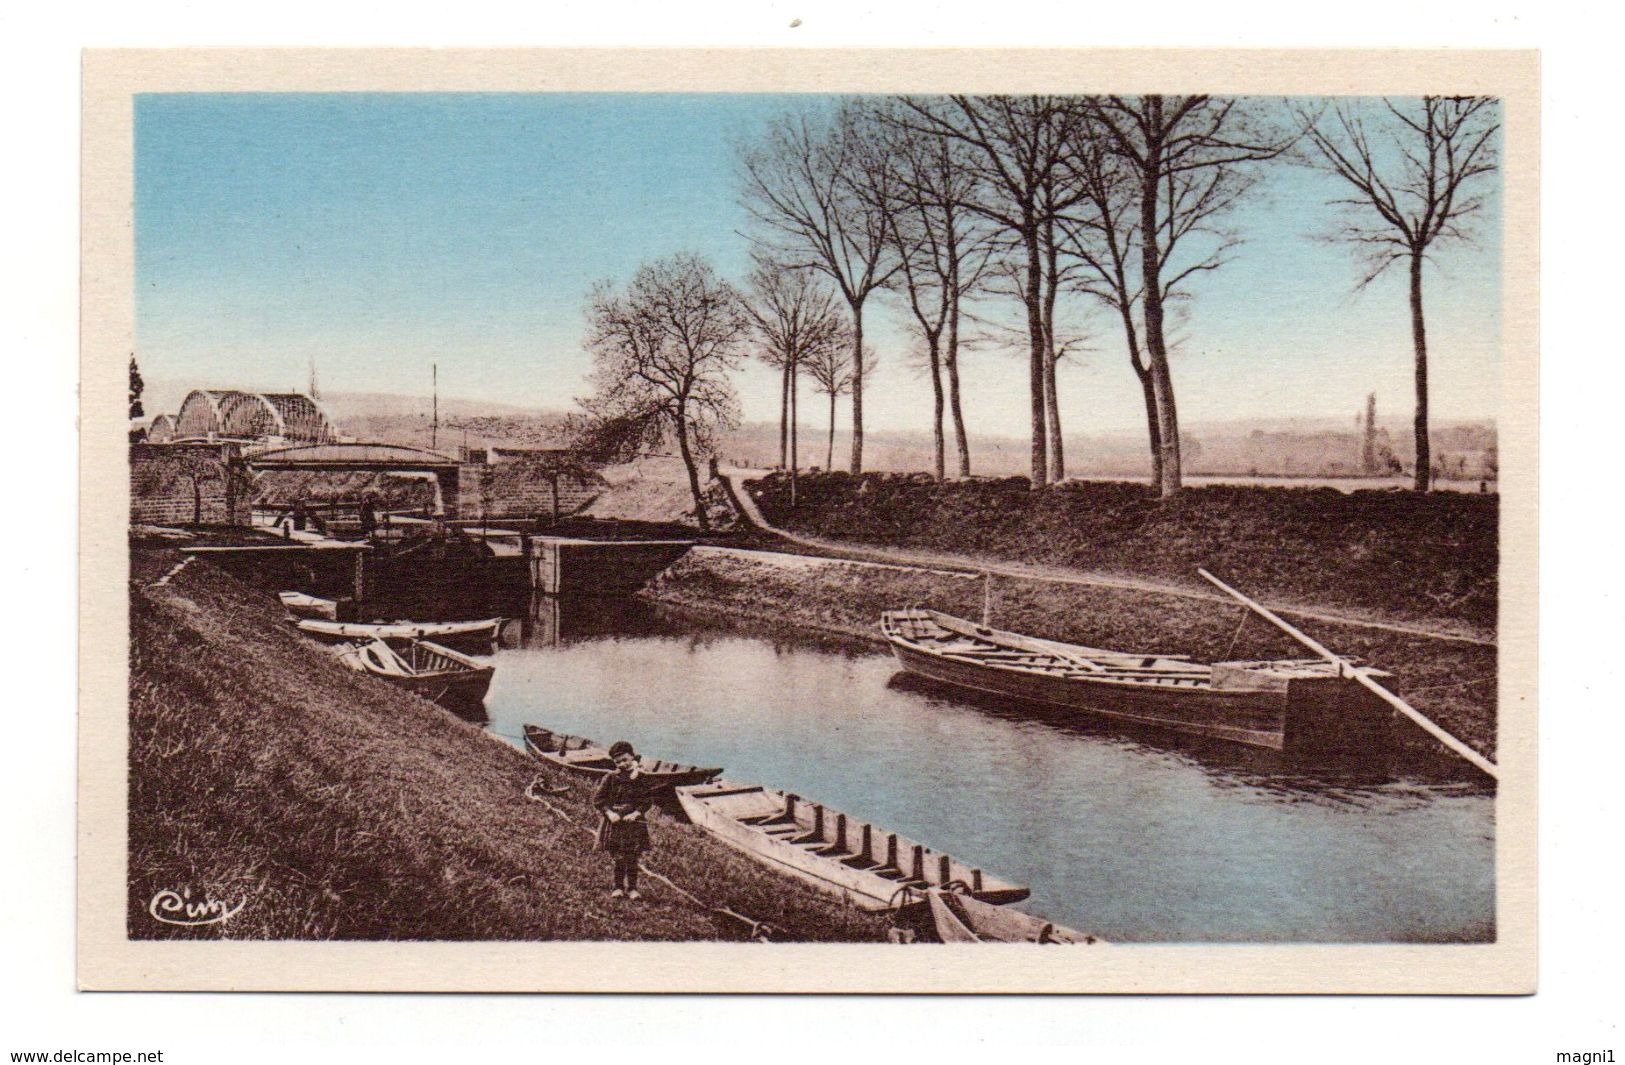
(1055, 574)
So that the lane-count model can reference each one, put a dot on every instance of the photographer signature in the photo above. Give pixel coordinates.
(173, 907)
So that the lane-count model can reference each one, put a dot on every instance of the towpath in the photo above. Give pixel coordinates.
(736, 479)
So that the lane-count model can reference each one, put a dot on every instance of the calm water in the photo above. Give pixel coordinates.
(1132, 837)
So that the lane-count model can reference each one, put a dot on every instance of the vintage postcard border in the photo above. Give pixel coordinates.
(108, 960)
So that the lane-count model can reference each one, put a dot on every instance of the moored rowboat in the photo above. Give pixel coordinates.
(423, 668)
(585, 758)
(962, 919)
(867, 866)
(477, 636)
(301, 605)
(1299, 706)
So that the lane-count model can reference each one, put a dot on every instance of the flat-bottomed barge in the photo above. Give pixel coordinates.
(1299, 706)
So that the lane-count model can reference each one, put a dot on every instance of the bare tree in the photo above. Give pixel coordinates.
(1409, 163)
(1059, 275)
(830, 367)
(1063, 272)
(1188, 156)
(1018, 143)
(662, 350)
(796, 318)
(944, 249)
(815, 188)
(1105, 240)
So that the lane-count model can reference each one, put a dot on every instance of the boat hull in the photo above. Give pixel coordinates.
(300, 605)
(437, 673)
(1254, 718)
(453, 689)
(872, 876)
(1285, 707)
(961, 919)
(473, 637)
(593, 762)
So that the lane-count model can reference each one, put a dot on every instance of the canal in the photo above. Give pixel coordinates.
(1132, 836)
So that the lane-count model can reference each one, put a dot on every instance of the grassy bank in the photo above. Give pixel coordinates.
(1393, 555)
(339, 808)
(1450, 681)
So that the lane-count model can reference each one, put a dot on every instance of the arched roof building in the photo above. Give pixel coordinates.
(303, 419)
(162, 429)
(199, 417)
(272, 417)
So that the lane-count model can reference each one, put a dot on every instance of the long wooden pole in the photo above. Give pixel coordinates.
(1483, 764)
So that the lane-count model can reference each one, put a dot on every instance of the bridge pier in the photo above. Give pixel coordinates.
(561, 565)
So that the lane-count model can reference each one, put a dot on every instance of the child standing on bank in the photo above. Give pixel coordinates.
(624, 799)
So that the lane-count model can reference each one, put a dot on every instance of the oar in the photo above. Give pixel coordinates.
(1484, 764)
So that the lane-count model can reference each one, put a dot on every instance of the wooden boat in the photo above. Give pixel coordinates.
(960, 918)
(423, 668)
(581, 756)
(301, 605)
(865, 865)
(473, 636)
(1308, 706)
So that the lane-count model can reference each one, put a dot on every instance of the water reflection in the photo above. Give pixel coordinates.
(1131, 833)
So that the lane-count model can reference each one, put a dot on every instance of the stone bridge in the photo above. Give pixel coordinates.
(439, 471)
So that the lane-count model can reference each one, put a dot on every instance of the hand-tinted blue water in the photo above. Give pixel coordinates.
(1131, 838)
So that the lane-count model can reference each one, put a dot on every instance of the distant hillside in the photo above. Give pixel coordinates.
(380, 404)
(1307, 448)
(1273, 447)
(471, 429)
(1277, 448)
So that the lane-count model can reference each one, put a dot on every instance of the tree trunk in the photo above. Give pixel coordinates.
(1052, 400)
(1034, 298)
(1162, 382)
(784, 415)
(958, 415)
(693, 470)
(829, 459)
(938, 468)
(857, 386)
(795, 458)
(1052, 424)
(1424, 452)
(1147, 389)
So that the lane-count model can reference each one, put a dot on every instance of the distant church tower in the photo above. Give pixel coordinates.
(1368, 444)
(313, 393)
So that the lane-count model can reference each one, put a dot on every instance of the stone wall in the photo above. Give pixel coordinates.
(522, 488)
(182, 484)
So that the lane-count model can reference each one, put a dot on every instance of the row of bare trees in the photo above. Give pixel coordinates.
(1124, 200)
(951, 203)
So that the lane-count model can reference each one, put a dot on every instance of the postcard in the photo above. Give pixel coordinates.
(809, 521)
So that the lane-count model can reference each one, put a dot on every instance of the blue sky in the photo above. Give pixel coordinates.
(381, 233)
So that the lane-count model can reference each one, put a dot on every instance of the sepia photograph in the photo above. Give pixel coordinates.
(775, 525)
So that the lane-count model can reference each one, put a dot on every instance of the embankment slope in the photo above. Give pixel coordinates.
(1383, 555)
(339, 808)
